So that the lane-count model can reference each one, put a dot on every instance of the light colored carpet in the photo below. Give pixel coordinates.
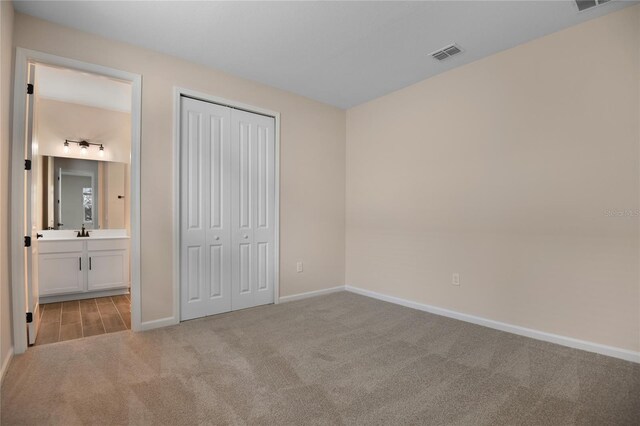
(336, 359)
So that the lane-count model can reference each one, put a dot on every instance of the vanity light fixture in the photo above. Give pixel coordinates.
(84, 147)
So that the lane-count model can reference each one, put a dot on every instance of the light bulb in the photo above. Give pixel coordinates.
(101, 151)
(65, 149)
(84, 147)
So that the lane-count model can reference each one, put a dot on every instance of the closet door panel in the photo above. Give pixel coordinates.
(264, 223)
(205, 230)
(242, 209)
(217, 269)
(193, 237)
(253, 197)
(219, 218)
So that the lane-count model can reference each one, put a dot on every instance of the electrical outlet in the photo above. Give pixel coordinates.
(455, 278)
(299, 267)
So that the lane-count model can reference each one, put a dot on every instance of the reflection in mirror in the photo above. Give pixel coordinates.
(79, 192)
(87, 204)
(75, 209)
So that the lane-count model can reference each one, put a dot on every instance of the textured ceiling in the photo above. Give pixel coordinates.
(340, 53)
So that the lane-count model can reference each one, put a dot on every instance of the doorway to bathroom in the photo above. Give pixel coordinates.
(76, 132)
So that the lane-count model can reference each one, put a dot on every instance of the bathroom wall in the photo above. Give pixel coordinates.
(114, 200)
(56, 121)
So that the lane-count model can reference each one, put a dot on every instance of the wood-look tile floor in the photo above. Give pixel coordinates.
(83, 318)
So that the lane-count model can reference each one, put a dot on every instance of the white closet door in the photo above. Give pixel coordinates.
(252, 209)
(205, 209)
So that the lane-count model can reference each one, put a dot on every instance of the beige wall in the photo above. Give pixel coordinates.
(6, 65)
(56, 121)
(312, 160)
(504, 170)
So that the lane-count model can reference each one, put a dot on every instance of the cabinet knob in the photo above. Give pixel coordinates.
(245, 236)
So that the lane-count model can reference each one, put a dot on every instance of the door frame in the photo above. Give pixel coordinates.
(22, 59)
(178, 92)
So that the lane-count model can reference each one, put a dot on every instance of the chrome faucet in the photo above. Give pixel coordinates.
(83, 233)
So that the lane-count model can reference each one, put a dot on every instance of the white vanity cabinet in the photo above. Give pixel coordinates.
(108, 264)
(60, 267)
(81, 266)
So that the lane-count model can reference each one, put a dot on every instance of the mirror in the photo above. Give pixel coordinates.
(78, 192)
(75, 199)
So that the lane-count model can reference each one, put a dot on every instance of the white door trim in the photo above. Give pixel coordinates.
(178, 92)
(23, 57)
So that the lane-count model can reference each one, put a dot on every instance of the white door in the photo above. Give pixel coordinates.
(31, 222)
(252, 209)
(205, 244)
(227, 199)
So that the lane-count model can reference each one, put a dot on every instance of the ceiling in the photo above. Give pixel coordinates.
(82, 88)
(340, 53)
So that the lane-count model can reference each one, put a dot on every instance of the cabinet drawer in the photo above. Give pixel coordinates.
(59, 246)
(93, 245)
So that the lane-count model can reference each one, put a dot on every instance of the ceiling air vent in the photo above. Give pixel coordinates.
(446, 52)
(588, 4)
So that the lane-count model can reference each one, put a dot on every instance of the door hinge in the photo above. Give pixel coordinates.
(27, 241)
(27, 164)
(29, 317)
(29, 89)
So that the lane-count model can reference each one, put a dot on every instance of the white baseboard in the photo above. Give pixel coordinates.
(81, 296)
(611, 351)
(308, 294)
(5, 364)
(162, 322)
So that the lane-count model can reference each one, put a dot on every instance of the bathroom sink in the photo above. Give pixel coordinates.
(70, 234)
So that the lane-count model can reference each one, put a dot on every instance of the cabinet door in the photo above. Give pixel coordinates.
(108, 269)
(60, 273)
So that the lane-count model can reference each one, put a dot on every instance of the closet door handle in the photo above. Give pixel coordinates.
(89, 263)
(80, 263)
